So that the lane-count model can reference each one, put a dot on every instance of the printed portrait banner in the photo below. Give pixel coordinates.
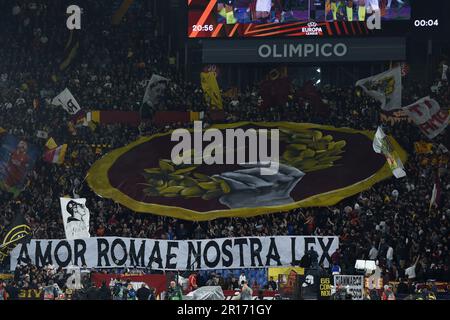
(309, 284)
(228, 253)
(67, 101)
(354, 283)
(385, 87)
(427, 114)
(17, 158)
(75, 217)
(155, 89)
(319, 166)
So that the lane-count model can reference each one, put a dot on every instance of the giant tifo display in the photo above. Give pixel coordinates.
(316, 166)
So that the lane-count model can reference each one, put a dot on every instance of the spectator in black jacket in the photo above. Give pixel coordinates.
(92, 293)
(143, 292)
(104, 292)
(402, 287)
(13, 291)
(152, 294)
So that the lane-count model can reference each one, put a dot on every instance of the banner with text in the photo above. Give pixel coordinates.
(427, 114)
(228, 253)
(355, 285)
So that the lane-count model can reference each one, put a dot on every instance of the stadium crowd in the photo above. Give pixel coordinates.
(391, 223)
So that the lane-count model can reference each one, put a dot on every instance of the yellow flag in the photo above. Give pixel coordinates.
(422, 147)
(51, 144)
(211, 90)
(2, 130)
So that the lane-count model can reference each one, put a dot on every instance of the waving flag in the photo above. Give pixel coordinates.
(56, 155)
(382, 145)
(211, 90)
(385, 87)
(67, 101)
(51, 144)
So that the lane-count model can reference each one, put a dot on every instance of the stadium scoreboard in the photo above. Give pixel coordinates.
(314, 18)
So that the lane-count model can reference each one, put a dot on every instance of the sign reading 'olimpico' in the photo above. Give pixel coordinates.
(304, 50)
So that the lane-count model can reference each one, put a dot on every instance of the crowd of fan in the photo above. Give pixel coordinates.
(391, 222)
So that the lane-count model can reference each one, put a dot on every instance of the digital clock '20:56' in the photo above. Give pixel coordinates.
(199, 27)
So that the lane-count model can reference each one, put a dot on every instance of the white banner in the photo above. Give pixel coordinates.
(263, 5)
(229, 253)
(427, 114)
(155, 89)
(355, 284)
(379, 144)
(382, 145)
(75, 217)
(385, 87)
(67, 101)
(42, 134)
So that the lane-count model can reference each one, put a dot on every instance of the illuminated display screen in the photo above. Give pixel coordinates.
(306, 18)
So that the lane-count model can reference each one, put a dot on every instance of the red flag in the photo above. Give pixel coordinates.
(275, 89)
(309, 93)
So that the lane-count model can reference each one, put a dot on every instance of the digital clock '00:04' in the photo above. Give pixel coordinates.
(426, 23)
